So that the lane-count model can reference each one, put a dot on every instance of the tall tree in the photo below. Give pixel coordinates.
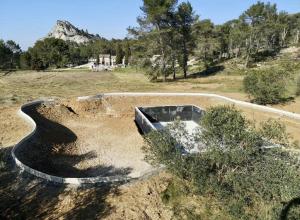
(262, 29)
(15, 53)
(119, 54)
(25, 60)
(5, 55)
(127, 52)
(295, 28)
(185, 18)
(9, 55)
(206, 42)
(156, 19)
(50, 52)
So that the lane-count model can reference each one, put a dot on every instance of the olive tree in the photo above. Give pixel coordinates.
(237, 167)
(268, 86)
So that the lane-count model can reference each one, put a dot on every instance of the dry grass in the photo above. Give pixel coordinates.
(22, 86)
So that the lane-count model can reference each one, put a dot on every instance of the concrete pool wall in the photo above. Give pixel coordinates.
(147, 126)
(48, 177)
(151, 118)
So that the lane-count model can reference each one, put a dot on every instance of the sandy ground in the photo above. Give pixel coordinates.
(12, 127)
(100, 137)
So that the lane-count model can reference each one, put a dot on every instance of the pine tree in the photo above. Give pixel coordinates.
(158, 15)
(97, 60)
(119, 54)
(127, 53)
(185, 18)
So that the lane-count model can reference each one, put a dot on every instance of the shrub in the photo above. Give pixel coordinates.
(162, 148)
(235, 168)
(275, 132)
(221, 123)
(266, 86)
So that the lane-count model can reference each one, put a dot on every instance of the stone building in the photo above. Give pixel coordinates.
(107, 60)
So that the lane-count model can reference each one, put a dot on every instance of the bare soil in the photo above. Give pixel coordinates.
(91, 138)
(100, 137)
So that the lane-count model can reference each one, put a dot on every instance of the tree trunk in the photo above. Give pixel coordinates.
(185, 59)
(110, 58)
(185, 71)
(230, 48)
(173, 67)
(249, 48)
(247, 60)
(283, 36)
(164, 65)
(237, 52)
(162, 59)
(296, 40)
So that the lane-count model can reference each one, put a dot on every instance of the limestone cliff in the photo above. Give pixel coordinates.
(66, 31)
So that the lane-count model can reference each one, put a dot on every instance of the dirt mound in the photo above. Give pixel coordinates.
(85, 107)
(66, 109)
(141, 200)
(54, 111)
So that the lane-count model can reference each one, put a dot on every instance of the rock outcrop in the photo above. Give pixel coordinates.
(66, 31)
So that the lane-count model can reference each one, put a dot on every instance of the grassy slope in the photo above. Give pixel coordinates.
(22, 86)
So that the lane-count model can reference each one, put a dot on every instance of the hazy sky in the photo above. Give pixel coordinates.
(25, 21)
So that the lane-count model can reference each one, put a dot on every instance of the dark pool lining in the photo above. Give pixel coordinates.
(171, 113)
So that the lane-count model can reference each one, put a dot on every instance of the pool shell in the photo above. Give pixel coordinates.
(146, 117)
(147, 126)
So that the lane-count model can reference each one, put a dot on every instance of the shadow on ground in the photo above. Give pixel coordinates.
(291, 210)
(282, 101)
(210, 71)
(26, 197)
(53, 150)
(6, 73)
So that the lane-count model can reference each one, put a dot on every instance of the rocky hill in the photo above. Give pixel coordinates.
(66, 31)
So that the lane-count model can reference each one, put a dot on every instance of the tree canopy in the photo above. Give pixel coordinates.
(168, 35)
(9, 55)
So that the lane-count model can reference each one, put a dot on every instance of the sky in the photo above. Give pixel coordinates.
(26, 21)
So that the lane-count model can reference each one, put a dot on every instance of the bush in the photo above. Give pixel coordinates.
(162, 148)
(267, 86)
(274, 132)
(220, 124)
(235, 168)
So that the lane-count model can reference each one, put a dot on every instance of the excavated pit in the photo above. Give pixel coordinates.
(95, 137)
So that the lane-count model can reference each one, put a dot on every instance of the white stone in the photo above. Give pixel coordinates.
(66, 31)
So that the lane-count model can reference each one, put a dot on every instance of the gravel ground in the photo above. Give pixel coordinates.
(100, 137)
